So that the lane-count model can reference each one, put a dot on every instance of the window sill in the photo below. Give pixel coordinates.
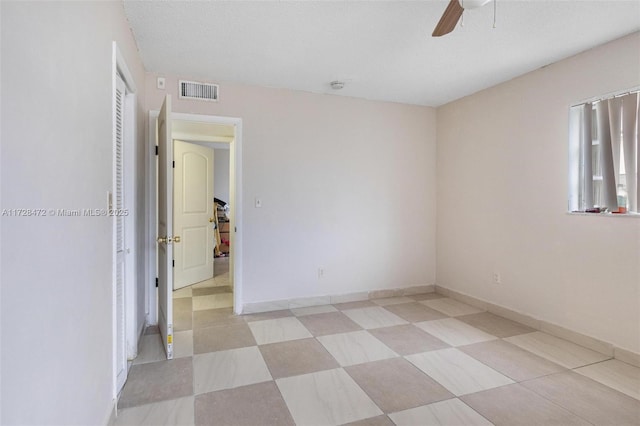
(632, 215)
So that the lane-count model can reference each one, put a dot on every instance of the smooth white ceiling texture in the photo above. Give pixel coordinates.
(382, 49)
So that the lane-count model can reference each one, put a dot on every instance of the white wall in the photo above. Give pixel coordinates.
(502, 201)
(57, 153)
(221, 175)
(346, 184)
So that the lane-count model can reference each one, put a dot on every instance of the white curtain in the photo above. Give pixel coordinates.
(630, 122)
(609, 195)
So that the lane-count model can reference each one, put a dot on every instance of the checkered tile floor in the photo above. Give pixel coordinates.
(417, 360)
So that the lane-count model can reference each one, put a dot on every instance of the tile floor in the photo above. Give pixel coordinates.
(419, 360)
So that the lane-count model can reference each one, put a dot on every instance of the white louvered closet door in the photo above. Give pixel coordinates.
(119, 245)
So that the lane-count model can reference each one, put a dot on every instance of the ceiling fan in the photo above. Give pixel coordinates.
(452, 15)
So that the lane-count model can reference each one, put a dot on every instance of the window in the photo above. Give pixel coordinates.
(604, 155)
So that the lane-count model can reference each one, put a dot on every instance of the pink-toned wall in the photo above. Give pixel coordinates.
(347, 185)
(502, 201)
(57, 150)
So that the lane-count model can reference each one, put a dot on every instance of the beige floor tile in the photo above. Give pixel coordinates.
(261, 316)
(252, 405)
(206, 283)
(514, 405)
(182, 344)
(415, 312)
(328, 323)
(165, 413)
(557, 350)
(594, 402)
(229, 369)
(510, 360)
(278, 330)
(354, 305)
(213, 301)
(157, 381)
(310, 310)
(326, 398)
(407, 339)
(457, 371)
(615, 374)
(216, 317)
(297, 357)
(182, 314)
(206, 291)
(395, 384)
(451, 412)
(213, 339)
(385, 301)
(183, 292)
(454, 332)
(451, 307)
(374, 317)
(151, 349)
(495, 325)
(356, 347)
(372, 421)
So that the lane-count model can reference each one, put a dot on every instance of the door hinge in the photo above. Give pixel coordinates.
(174, 164)
(157, 281)
(156, 149)
(174, 263)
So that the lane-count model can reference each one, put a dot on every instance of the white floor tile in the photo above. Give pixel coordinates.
(228, 369)
(454, 332)
(615, 374)
(326, 398)
(278, 330)
(212, 301)
(173, 412)
(151, 349)
(373, 317)
(560, 351)
(457, 371)
(451, 412)
(356, 347)
(182, 344)
(310, 310)
(451, 307)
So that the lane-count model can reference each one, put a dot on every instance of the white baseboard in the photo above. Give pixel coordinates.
(277, 305)
(581, 339)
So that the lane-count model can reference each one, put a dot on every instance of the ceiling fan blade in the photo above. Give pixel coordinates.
(449, 19)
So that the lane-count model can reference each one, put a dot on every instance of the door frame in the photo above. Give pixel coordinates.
(151, 213)
(129, 168)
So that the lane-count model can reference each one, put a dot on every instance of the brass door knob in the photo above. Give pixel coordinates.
(163, 240)
(176, 239)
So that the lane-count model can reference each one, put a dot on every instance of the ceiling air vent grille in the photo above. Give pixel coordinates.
(198, 91)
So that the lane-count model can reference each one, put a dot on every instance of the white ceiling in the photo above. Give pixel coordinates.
(383, 49)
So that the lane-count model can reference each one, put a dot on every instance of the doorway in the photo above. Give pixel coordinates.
(203, 130)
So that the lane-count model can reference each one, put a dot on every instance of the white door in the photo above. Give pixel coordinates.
(119, 240)
(192, 213)
(165, 226)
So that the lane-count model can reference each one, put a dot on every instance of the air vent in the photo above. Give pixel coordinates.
(198, 91)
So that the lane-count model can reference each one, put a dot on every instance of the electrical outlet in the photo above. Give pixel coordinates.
(497, 278)
(258, 203)
(320, 273)
(160, 83)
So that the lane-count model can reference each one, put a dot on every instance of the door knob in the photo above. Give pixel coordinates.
(163, 240)
(176, 239)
